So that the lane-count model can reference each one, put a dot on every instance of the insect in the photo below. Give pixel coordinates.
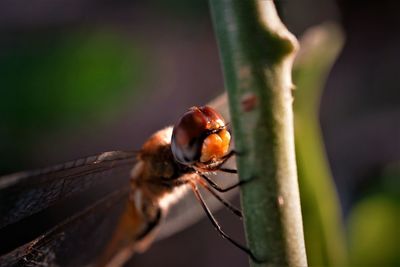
(171, 162)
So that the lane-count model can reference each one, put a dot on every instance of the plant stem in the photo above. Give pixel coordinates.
(257, 53)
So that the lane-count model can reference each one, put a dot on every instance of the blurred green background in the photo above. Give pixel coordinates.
(61, 80)
(82, 77)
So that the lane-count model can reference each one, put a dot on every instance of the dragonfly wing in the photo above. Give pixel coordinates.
(75, 242)
(25, 193)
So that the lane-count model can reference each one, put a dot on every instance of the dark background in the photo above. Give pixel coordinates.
(82, 77)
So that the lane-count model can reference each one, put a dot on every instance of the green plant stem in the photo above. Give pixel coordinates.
(257, 53)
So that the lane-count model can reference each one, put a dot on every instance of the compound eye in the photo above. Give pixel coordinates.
(191, 131)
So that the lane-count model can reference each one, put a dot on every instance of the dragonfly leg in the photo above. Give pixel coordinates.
(218, 227)
(226, 158)
(219, 188)
(227, 170)
(232, 208)
(229, 155)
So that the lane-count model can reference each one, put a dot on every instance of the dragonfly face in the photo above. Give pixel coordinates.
(200, 138)
(168, 160)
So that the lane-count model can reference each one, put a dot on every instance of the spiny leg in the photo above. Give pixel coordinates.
(219, 188)
(218, 227)
(232, 208)
(228, 156)
(224, 159)
(227, 170)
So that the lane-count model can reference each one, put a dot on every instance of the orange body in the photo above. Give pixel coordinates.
(148, 194)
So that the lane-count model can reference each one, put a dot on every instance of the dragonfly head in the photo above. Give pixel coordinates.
(200, 137)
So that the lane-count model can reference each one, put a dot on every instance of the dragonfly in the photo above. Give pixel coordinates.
(127, 220)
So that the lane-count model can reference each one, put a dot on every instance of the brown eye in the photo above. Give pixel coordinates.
(196, 137)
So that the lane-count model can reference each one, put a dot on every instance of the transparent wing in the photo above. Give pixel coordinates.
(77, 241)
(26, 193)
